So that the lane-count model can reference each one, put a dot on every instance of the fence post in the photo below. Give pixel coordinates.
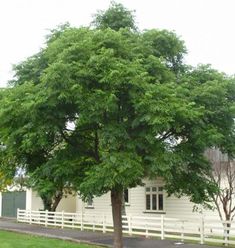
(202, 234)
(162, 227)
(30, 216)
(73, 219)
(93, 226)
(54, 217)
(146, 229)
(104, 223)
(81, 221)
(182, 231)
(46, 218)
(130, 225)
(226, 232)
(62, 219)
(18, 214)
(226, 237)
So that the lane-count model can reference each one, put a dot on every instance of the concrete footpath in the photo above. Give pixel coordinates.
(91, 237)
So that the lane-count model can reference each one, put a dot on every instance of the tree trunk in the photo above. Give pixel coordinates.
(47, 202)
(51, 203)
(116, 199)
(124, 212)
(56, 202)
(123, 205)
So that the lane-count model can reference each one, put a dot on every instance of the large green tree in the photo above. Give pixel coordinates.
(114, 106)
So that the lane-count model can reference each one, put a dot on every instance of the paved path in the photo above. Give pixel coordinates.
(92, 237)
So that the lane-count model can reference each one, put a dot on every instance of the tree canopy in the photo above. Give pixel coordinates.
(113, 105)
(115, 17)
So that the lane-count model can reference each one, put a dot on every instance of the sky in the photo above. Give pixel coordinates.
(206, 26)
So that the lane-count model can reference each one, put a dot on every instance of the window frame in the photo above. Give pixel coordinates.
(151, 192)
(89, 203)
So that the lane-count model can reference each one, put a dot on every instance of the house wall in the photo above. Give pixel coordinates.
(173, 207)
(34, 202)
(67, 204)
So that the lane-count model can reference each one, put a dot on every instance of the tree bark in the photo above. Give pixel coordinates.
(51, 203)
(116, 199)
(123, 205)
(56, 202)
(47, 202)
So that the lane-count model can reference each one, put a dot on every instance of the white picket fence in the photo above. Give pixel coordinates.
(201, 229)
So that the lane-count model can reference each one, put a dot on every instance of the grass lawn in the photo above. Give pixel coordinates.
(16, 240)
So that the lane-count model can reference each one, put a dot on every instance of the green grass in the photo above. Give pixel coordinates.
(16, 240)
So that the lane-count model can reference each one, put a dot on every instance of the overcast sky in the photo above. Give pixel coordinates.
(206, 26)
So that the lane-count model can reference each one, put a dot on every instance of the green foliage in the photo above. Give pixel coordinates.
(165, 45)
(115, 17)
(4, 181)
(135, 108)
(29, 70)
(31, 145)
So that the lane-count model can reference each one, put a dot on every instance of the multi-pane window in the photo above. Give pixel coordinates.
(154, 198)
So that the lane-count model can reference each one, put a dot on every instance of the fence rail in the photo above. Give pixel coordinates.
(201, 230)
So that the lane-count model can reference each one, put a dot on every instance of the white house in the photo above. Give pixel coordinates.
(148, 200)
(151, 199)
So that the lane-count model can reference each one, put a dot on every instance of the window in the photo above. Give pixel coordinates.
(89, 203)
(126, 196)
(154, 199)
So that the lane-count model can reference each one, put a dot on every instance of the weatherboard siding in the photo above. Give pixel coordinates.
(34, 202)
(173, 206)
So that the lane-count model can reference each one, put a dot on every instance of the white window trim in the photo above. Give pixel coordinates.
(157, 194)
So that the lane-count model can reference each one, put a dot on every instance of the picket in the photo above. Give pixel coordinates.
(200, 229)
